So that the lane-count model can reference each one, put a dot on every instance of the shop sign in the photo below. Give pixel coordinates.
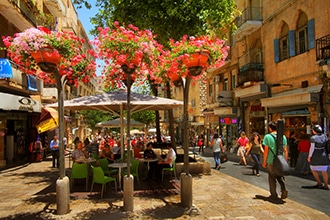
(228, 121)
(5, 69)
(19, 103)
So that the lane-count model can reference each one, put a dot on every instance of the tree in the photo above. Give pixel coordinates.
(92, 117)
(167, 19)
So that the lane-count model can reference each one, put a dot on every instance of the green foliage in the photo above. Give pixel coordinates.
(166, 18)
(92, 117)
(145, 117)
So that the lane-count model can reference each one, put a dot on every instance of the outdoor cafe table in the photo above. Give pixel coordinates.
(119, 166)
(85, 160)
(148, 160)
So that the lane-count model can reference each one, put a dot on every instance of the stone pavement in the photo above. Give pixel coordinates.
(28, 192)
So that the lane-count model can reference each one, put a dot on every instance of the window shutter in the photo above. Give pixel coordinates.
(311, 37)
(276, 51)
(292, 45)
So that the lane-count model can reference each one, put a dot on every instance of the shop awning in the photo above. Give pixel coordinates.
(252, 92)
(48, 120)
(226, 111)
(196, 123)
(295, 98)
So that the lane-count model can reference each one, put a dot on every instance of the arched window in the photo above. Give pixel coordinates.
(284, 42)
(301, 34)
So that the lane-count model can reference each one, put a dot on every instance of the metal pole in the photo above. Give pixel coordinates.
(128, 124)
(186, 86)
(60, 82)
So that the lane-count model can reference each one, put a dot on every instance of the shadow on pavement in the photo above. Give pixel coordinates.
(268, 199)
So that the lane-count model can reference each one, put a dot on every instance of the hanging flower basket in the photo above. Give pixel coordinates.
(196, 62)
(40, 48)
(47, 59)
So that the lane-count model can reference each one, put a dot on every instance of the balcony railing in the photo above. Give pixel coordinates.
(323, 48)
(251, 72)
(249, 14)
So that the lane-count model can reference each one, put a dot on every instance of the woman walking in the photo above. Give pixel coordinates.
(318, 157)
(217, 145)
(241, 144)
(254, 148)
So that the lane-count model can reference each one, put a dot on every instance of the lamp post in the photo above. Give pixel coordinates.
(195, 66)
(128, 179)
(62, 183)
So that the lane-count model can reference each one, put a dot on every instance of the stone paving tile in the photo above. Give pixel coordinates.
(28, 192)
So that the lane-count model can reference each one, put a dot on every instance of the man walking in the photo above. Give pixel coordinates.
(269, 153)
(54, 147)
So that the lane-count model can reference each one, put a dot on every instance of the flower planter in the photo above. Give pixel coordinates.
(133, 78)
(196, 62)
(47, 59)
(175, 78)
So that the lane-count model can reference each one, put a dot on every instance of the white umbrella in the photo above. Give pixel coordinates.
(136, 131)
(152, 130)
(116, 123)
(117, 101)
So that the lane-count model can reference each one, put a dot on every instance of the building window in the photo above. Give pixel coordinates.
(284, 42)
(193, 103)
(233, 81)
(210, 90)
(301, 34)
(225, 85)
(284, 52)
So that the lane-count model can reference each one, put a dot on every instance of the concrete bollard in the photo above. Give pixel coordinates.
(186, 190)
(128, 193)
(63, 195)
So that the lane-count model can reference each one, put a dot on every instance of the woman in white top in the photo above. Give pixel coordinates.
(217, 145)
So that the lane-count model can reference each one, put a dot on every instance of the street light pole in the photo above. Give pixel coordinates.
(62, 183)
(186, 178)
(128, 179)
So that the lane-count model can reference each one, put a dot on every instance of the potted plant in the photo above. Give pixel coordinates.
(64, 49)
(191, 55)
(129, 49)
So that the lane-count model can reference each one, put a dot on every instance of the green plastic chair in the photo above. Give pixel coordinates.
(171, 169)
(79, 171)
(100, 178)
(134, 170)
(104, 164)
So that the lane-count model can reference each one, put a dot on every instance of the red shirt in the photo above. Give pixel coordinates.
(243, 141)
(304, 145)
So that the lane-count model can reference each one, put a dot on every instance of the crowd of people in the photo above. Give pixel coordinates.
(305, 153)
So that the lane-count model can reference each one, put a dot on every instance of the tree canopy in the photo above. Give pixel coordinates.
(166, 18)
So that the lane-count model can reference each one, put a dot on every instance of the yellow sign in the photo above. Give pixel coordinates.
(47, 125)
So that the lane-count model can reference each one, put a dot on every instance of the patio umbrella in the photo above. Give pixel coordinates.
(116, 100)
(116, 123)
(136, 131)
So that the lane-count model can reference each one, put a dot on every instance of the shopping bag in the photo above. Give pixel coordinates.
(223, 158)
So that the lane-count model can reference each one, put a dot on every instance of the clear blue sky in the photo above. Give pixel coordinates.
(84, 16)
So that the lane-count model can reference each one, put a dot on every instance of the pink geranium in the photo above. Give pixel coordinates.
(73, 57)
(127, 45)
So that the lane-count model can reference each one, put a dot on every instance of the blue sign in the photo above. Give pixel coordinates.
(32, 83)
(5, 69)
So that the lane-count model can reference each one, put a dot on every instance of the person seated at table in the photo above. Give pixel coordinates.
(116, 150)
(91, 148)
(79, 152)
(107, 153)
(149, 152)
(162, 163)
